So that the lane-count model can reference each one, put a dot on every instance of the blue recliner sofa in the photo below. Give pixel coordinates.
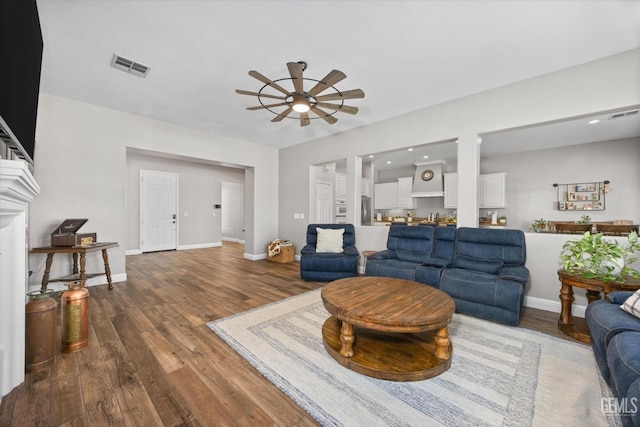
(615, 339)
(329, 266)
(482, 269)
(488, 276)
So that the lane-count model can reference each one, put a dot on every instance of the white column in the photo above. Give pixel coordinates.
(354, 190)
(468, 177)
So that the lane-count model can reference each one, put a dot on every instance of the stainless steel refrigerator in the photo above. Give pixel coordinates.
(365, 211)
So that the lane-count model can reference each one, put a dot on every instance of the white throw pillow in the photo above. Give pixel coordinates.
(329, 240)
(632, 304)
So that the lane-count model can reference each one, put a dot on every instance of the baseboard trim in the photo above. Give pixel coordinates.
(132, 252)
(199, 246)
(553, 306)
(230, 239)
(256, 257)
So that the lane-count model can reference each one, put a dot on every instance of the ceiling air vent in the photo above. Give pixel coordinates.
(129, 66)
(624, 114)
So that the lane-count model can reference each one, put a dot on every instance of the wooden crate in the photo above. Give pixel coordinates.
(286, 255)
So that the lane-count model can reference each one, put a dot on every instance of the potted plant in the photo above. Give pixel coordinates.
(502, 220)
(539, 224)
(594, 257)
(584, 219)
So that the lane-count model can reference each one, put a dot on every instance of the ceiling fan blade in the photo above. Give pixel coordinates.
(268, 81)
(329, 80)
(323, 115)
(282, 115)
(264, 95)
(343, 108)
(295, 70)
(349, 94)
(260, 107)
(304, 119)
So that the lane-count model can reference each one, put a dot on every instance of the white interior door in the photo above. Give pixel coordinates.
(324, 203)
(158, 211)
(232, 196)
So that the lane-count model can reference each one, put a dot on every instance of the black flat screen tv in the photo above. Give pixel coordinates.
(20, 64)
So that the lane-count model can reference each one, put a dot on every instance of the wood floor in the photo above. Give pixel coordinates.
(152, 361)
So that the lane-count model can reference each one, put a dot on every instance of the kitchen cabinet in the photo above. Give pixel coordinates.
(386, 195)
(405, 187)
(492, 190)
(365, 187)
(450, 190)
(341, 186)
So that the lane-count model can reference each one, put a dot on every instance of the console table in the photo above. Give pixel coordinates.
(79, 274)
(577, 327)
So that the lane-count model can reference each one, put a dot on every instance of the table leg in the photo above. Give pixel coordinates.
(566, 299)
(83, 274)
(75, 263)
(47, 270)
(107, 269)
(441, 338)
(347, 339)
(593, 296)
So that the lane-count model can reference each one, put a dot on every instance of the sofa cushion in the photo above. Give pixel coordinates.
(624, 364)
(330, 241)
(410, 243)
(507, 246)
(605, 320)
(490, 266)
(632, 304)
(392, 268)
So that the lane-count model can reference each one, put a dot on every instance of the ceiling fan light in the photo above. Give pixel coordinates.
(300, 105)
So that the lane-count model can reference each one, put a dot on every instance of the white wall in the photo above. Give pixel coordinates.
(530, 193)
(80, 164)
(602, 85)
(199, 189)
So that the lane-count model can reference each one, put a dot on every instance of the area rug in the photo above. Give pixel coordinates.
(499, 375)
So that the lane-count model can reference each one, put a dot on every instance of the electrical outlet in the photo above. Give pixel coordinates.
(296, 216)
(301, 215)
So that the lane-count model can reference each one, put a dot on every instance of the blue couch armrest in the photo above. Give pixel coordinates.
(308, 250)
(385, 254)
(618, 297)
(351, 250)
(516, 273)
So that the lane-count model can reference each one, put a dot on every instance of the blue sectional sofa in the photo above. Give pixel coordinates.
(615, 339)
(481, 269)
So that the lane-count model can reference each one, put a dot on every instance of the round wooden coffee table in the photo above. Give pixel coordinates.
(388, 328)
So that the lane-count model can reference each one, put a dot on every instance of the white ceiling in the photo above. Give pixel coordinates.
(405, 55)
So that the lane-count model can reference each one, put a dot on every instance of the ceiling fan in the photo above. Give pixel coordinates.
(300, 101)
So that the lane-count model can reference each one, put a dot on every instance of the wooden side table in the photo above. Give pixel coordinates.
(365, 255)
(79, 274)
(577, 327)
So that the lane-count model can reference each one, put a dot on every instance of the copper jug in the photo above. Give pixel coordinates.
(40, 327)
(75, 323)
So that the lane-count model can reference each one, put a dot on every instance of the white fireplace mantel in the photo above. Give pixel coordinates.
(17, 189)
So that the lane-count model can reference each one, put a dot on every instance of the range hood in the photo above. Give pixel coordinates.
(428, 181)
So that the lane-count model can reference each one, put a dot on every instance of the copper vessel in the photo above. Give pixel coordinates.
(75, 323)
(40, 325)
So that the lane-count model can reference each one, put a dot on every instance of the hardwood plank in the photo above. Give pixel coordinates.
(100, 404)
(160, 314)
